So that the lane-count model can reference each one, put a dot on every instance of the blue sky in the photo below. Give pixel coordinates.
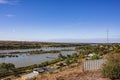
(52, 20)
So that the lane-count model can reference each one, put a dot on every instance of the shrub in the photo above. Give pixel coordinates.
(7, 66)
(94, 57)
(111, 68)
(67, 61)
(80, 58)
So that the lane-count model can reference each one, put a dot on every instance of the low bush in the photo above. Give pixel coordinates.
(95, 57)
(111, 68)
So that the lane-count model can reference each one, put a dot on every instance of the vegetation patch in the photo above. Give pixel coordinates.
(111, 68)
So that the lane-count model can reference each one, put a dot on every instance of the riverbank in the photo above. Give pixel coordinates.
(60, 62)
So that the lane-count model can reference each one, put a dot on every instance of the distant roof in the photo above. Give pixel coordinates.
(30, 75)
(51, 69)
(44, 69)
(91, 54)
(39, 69)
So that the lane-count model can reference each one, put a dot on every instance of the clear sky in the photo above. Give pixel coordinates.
(42, 20)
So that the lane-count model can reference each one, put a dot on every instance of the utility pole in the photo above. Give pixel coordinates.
(107, 35)
(107, 40)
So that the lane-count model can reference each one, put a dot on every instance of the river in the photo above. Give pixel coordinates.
(28, 59)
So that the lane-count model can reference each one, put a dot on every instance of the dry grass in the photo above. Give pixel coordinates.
(71, 74)
(68, 73)
(56, 75)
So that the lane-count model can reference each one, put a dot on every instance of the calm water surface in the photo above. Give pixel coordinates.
(27, 59)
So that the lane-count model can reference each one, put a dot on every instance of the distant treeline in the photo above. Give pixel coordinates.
(4, 56)
(23, 46)
(27, 45)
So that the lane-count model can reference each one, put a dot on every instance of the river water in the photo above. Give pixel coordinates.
(28, 59)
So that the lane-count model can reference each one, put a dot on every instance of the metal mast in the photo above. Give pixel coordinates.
(107, 35)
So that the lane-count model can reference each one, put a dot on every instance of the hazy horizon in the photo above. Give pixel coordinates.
(97, 40)
(60, 20)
